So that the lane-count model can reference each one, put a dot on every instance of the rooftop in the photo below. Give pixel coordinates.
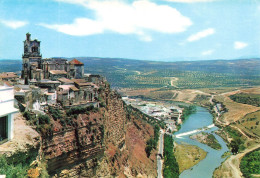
(79, 81)
(74, 88)
(75, 61)
(48, 81)
(65, 87)
(65, 80)
(58, 72)
(8, 75)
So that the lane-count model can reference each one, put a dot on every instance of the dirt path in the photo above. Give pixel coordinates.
(243, 133)
(24, 135)
(234, 161)
(174, 79)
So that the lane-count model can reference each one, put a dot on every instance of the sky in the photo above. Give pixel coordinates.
(164, 30)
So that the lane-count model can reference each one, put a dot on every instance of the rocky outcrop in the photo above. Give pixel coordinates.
(105, 142)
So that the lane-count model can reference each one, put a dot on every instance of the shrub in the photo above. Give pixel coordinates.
(44, 119)
(56, 114)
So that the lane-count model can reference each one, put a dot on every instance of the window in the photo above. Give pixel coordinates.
(3, 128)
(34, 49)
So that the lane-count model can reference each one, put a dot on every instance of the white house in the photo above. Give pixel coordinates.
(7, 111)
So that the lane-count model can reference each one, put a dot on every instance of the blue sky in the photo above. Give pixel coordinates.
(141, 29)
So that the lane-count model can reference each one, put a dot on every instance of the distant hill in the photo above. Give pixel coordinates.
(146, 74)
(7, 65)
(245, 66)
(190, 74)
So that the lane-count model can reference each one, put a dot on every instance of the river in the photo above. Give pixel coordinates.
(206, 167)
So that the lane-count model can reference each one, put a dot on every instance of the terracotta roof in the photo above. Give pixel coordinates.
(8, 84)
(58, 72)
(75, 61)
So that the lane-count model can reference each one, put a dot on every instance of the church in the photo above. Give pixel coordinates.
(53, 81)
(36, 69)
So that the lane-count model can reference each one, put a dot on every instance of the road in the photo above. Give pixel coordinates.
(233, 162)
(160, 152)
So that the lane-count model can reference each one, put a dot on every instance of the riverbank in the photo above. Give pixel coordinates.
(207, 139)
(196, 123)
(188, 155)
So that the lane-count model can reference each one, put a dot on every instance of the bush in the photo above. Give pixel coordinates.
(79, 110)
(152, 142)
(44, 119)
(18, 164)
(56, 114)
(102, 104)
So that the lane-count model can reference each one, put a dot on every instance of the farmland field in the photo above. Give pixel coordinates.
(138, 74)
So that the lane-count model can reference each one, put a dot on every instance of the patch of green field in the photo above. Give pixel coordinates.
(250, 164)
(246, 98)
(251, 122)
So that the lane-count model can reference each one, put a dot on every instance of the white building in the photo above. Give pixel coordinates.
(7, 111)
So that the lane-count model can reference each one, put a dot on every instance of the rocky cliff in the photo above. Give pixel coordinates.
(104, 142)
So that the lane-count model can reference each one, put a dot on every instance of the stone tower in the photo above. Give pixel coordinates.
(31, 57)
(76, 69)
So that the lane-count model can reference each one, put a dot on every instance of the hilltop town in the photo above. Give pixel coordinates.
(69, 123)
(48, 82)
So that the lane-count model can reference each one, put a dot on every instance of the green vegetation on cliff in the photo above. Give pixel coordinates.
(170, 167)
(152, 142)
(17, 165)
(250, 163)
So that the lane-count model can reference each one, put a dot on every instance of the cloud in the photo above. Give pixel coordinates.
(140, 17)
(201, 34)
(14, 24)
(80, 27)
(240, 45)
(190, 1)
(207, 53)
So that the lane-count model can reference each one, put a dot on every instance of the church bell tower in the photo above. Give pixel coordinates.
(31, 56)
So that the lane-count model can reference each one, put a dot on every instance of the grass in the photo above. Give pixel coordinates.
(226, 154)
(250, 123)
(188, 155)
(236, 111)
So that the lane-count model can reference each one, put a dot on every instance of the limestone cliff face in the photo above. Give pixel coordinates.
(103, 143)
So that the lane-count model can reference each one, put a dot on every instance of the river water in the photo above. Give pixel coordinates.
(206, 167)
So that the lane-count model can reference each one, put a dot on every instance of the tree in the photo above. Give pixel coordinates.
(234, 147)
